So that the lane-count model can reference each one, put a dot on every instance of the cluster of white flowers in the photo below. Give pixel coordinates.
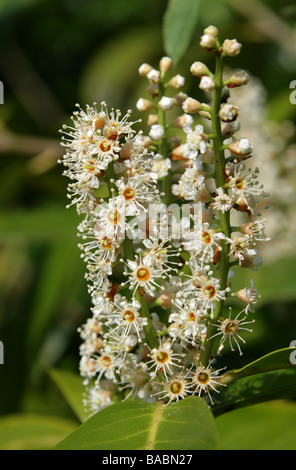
(155, 294)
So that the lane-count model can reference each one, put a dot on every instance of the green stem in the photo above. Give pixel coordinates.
(163, 150)
(224, 221)
(110, 178)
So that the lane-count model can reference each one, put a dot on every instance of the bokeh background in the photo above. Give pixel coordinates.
(55, 53)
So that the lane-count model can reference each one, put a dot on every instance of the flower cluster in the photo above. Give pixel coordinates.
(157, 238)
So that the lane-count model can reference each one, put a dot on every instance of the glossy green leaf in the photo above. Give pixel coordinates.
(70, 384)
(280, 359)
(269, 426)
(256, 389)
(33, 432)
(180, 21)
(133, 425)
(269, 377)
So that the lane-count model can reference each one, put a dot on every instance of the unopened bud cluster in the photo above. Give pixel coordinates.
(158, 317)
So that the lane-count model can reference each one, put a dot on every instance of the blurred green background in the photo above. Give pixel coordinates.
(55, 53)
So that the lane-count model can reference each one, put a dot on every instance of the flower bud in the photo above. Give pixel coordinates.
(205, 114)
(156, 132)
(191, 106)
(144, 69)
(165, 300)
(228, 129)
(174, 142)
(152, 89)
(208, 156)
(198, 69)
(180, 98)
(242, 205)
(178, 81)
(166, 103)
(165, 64)
(208, 42)
(238, 79)
(99, 123)
(251, 262)
(184, 120)
(152, 119)
(143, 104)
(178, 153)
(228, 113)
(231, 47)
(153, 76)
(140, 378)
(207, 83)
(125, 151)
(211, 30)
(241, 147)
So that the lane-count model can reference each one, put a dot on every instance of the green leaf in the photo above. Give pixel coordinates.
(138, 426)
(279, 359)
(33, 432)
(70, 384)
(256, 389)
(180, 20)
(269, 377)
(269, 426)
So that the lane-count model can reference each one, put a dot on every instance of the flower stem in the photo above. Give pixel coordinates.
(163, 150)
(224, 220)
(110, 178)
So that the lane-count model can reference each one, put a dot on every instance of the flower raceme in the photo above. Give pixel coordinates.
(159, 282)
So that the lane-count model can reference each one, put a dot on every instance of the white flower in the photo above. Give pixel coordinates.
(241, 248)
(204, 380)
(136, 194)
(229, 329)
(175, 388)
(188, 318)
(110, 217)
(222, 202)
(195, 142)
(163, 359)
(244, 183)
(202, 241)
(96, 398)
(125, 317)
(143, 274)
(160, 167)
(190, 185)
